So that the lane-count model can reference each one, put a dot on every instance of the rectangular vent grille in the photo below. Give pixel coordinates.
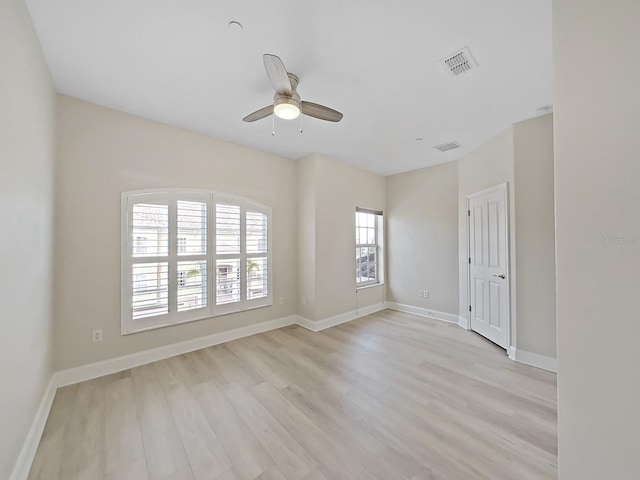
(460, 62)
(445, 147)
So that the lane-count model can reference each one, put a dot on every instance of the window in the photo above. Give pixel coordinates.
(171, 241)
(368, 247)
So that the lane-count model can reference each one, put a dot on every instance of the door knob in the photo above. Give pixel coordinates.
(502, 276)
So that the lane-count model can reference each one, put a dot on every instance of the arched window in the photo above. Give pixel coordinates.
(192, 254)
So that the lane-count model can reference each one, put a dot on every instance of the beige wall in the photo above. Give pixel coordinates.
(306, 180)
(488, 166)
(27, 152)
(102, 153)
(597, 191)
(422, 238)
(535, 232)
(339, 188)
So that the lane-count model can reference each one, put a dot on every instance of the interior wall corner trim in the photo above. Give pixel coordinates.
(318, 325)
(32, 440)
(426, 312)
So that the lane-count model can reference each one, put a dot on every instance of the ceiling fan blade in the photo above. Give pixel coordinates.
(259, 114)
(321, 112)
(277, 73)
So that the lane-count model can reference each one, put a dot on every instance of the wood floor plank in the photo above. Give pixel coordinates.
(247, 455)
(164, 452)
(226, 368)
(352, 433)
(230, 474)
(183, 474)
(206, 455)
(338, 463)
(123, 438)
(366, 475)
(317, 474)
(83, 456)
(129, 471)
(290, 457)
(390, 396)
(273, 473)
(247, 353)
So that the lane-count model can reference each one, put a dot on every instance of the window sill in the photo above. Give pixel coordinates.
(371, 285)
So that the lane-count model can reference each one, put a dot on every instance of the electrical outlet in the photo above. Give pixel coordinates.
(96, 336)
(281, 301)
(425, 293)
(303, 300)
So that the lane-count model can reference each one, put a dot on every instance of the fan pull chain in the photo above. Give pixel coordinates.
(273, 125)
(301, 129)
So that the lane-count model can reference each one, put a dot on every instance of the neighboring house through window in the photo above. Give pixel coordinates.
(182, 244)
(140, 245)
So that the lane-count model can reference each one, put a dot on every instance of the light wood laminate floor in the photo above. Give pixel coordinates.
(390, 396)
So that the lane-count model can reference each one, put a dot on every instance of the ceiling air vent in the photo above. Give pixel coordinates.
(445, 147)
(459, 62)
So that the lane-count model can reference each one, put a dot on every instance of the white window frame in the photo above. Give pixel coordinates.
(378, 245)
(170, 197)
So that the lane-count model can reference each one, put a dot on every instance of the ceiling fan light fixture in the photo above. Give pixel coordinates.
(287, 108)
(286, 100)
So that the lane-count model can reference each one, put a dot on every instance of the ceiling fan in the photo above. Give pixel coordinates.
(286, 101)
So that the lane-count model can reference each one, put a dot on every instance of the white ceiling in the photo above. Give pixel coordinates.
(376, 61)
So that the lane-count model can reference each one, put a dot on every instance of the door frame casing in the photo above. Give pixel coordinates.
(504, 188)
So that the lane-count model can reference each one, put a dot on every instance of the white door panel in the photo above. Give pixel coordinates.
(488, 266)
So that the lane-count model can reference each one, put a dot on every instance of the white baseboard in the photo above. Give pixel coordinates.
(463, 322)
(118, 364)
(318, 325)
(31, 442)
(425, 312)
(534, 359)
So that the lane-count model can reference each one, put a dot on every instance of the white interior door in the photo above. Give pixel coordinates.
(489, 264)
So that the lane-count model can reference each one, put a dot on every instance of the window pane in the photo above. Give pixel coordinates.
(363, 235)
(371, 220)
(150, 294)
(192, 285)
(256, 232)
(227, 229)
(371, 236)
(257, 275)
(371, 271)
(361, 219)
(227, 281)
(192, 228)
(150, 226)
(362, 273)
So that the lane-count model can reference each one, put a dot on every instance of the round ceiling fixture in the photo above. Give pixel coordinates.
(286, 108)
(235, 26)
